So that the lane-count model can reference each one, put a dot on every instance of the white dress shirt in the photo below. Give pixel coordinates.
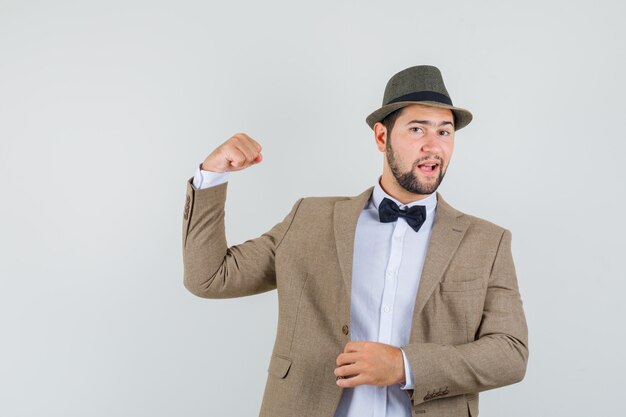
(386, 270)
(387, 265)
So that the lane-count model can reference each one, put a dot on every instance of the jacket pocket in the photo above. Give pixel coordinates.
(459, 286)
(279, 366)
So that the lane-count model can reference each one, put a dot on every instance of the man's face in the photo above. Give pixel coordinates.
(419, 148)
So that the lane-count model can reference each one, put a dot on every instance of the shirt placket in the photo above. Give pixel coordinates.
(388, 301)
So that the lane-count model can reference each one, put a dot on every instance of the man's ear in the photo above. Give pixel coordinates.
(380, 135)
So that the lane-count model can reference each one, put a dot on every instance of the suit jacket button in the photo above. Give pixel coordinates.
(345, 329)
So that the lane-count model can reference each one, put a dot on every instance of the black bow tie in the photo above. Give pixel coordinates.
(388, 211)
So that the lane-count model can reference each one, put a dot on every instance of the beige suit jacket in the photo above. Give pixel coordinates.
(468, 333)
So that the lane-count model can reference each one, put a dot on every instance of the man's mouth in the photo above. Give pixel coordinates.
(429, 167)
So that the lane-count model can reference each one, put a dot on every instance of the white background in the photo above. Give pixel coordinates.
(107, 107)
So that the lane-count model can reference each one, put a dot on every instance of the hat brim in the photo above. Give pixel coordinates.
(462, 117)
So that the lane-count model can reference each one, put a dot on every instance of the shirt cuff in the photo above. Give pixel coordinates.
(205, 179)
(408, 373)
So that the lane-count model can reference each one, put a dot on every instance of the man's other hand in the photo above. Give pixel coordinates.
(369, 363)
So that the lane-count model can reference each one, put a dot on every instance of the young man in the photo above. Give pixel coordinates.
(391, 303)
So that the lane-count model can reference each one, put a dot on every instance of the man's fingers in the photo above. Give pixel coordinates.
(243, 147)
(353, 347)
(248, 141)
(249, 148)
(351, 382)
(346, 358)
(237, 153)
(373, 363)
(241, 155)
(256, 145)
(235, 157)
(347, 371)
(248, 156)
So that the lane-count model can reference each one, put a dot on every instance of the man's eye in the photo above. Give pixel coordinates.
(415, 128)
(445, 133)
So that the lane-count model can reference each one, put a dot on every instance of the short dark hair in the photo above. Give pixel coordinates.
(390, 120)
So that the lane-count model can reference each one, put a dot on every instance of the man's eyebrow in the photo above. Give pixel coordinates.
(430, 122)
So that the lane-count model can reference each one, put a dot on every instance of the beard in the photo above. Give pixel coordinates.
(408, 180)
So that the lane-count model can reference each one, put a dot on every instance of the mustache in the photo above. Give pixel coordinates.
(428, 158)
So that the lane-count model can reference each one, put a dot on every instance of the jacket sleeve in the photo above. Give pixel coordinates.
(211, 268)
(496, 358)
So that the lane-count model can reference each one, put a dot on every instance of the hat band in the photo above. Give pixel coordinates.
(423, 96)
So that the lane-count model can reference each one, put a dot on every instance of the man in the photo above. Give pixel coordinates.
(391, 303)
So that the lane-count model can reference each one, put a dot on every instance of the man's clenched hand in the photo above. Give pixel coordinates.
(237, 153)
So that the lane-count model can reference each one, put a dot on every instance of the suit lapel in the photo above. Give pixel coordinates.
(448, 231)
(345, 217)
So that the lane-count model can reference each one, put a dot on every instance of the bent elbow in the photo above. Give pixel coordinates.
(519, 372)
(195, 289)
(519, 364)
(198, 286)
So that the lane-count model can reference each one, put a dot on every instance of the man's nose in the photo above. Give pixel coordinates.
(431, 143)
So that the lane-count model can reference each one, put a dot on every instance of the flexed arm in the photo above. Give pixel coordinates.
(211, 268)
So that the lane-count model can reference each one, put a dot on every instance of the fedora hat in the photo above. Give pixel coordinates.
(421, 84)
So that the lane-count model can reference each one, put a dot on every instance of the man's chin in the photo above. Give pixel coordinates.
(421, 187)
(420, 190)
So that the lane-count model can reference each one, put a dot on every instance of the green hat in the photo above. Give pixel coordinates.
(420, 84)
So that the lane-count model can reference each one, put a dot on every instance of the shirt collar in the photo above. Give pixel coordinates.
(378, 194)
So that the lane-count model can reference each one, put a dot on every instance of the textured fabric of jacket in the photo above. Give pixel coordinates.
(468, 332)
